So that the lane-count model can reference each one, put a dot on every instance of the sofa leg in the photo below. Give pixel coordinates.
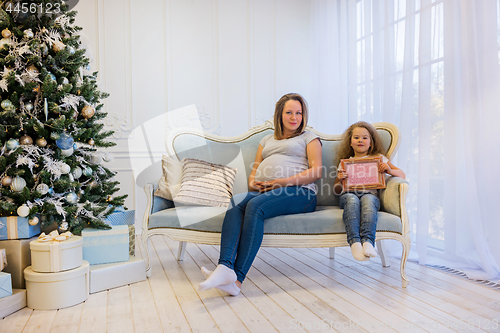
(147, 256)
(382, 254)
(331, 253)
(181, 251)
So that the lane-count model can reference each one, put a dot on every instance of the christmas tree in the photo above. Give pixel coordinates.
(51, 121)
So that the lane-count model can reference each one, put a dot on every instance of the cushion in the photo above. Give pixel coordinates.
(325, 220)
(170, 181)
(205, 184)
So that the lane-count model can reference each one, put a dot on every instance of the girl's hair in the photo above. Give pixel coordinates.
(345, 150)
(278, 115)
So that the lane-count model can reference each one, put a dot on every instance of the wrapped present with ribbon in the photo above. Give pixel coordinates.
(106, 246)
(56, 252)
(5, 284)
(124, 217)
(16, 227)
(3, 259)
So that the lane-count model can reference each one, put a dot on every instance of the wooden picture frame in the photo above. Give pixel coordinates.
(363, 174)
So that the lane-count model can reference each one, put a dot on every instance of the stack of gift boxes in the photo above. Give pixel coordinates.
(61, 270)
(15, 236)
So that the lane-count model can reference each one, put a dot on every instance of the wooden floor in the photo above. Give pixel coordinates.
(287, 290)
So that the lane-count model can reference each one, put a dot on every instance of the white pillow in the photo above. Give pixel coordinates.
(170, 181)
(205, 184)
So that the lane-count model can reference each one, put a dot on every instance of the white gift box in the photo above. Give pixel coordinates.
(51, 291)
(108, 276)
(52, 257)
(18, 258)
(12, 303)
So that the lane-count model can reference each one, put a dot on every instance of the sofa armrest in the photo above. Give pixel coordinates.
(154, 204)
(392, 198)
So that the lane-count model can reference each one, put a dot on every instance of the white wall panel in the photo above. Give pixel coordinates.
(231, 58)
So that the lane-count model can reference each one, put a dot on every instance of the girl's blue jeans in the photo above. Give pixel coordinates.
(243, 227)
(360, 216)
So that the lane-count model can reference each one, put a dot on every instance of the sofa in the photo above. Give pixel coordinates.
(322, 228)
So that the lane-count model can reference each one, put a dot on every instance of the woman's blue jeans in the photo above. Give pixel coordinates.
(243, 227)
(360, 216)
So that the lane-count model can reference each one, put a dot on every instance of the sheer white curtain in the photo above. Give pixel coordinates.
(432, 68)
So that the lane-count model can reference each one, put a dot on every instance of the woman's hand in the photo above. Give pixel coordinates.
(267, 186)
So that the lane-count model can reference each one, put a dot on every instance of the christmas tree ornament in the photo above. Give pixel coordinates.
(33, 69)
(55, 135)
(77, 172)
(51, 191)
(52, 76)
(71, 49)
(87, 171)
(18, 184)
(26, 140)
(67, 152)
(6, 181)
(65, 168)
(71, 178)
(5, 41)
(23, 211)
(64, 227)
(91, 142)
(96, 158)
(28, 33)
(58, 46)
(42, 188)
(29, 106)
(87, 112)
(34, 220)
(71, 198)
(7, 105)
(44, 49)
(12, 144)
(65, 81)
(108, 157)
(65, 141)
(41, 142)
(6, 33)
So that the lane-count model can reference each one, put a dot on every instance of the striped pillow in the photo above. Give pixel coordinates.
(205, 184)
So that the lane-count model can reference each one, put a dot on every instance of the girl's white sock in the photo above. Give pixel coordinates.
(357, 252)
(369, 250)
(232, 289)
(221, 275)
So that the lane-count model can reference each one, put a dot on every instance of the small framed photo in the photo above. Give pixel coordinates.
(363, 174)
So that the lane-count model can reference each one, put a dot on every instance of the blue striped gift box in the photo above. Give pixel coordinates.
(121, 217)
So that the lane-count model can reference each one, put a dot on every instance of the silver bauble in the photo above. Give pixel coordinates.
(43, 188)
(65, 168)
(34, 220)
(23, 211)
(18, 184)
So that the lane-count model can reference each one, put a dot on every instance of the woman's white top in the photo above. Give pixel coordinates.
(284, 158)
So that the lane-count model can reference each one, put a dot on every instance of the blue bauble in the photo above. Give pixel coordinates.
(65, 141)
(72, 198)
(12, 144)
(52, 77)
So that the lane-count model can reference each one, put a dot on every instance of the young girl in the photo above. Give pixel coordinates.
(361, 207)
(281, 182)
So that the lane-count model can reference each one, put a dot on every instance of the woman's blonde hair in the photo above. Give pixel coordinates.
(278, 115)
(345, 150)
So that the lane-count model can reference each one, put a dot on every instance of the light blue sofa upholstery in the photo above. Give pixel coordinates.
(322, 228)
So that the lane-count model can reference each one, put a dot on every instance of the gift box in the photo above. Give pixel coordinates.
(131, 240)
(54, 256)
(5, 284)
(108, 276)
(3, 259)
(18, 258)
(102, 246)
(16, 227)
(121, 217)
(51, 291)
(12, 303)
